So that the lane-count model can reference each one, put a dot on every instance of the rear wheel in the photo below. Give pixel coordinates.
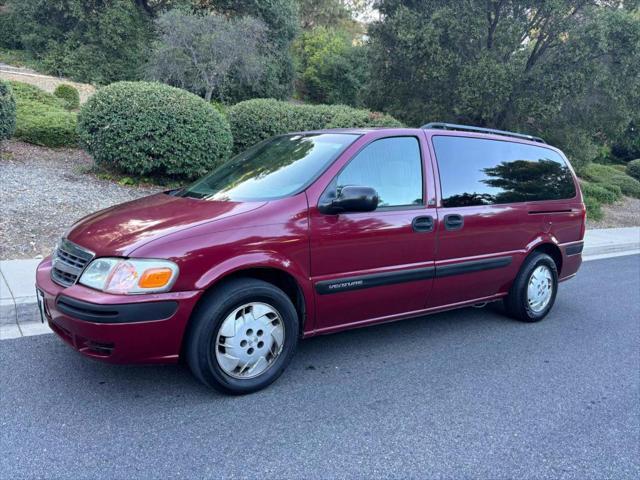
(242, 336)
(534, 290)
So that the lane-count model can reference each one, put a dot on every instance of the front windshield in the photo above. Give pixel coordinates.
(271, 169)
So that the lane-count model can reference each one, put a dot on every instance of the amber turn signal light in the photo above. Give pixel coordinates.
(155, 278)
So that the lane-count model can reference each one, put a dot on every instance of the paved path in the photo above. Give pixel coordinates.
(46, 82)
(465, 394)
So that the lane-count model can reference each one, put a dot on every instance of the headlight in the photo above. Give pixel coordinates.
(119, 275)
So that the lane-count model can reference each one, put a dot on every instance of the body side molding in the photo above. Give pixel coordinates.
(347, 284)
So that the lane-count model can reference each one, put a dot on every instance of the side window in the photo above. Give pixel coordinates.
(475, 171)
(392, 166)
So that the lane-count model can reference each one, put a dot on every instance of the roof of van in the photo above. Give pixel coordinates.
(481, 133)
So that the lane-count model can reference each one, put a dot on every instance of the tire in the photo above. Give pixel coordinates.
(264, 322)
(518, 303)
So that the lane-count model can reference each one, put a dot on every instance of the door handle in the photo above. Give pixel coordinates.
(422, 224)
(453, 221)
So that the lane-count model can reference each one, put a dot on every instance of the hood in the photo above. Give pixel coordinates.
(121, 229)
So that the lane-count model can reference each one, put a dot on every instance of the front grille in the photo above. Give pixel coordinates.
(68, 261)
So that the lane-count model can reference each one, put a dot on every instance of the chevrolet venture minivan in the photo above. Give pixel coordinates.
(312, 233)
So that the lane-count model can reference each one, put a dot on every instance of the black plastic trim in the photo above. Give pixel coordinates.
(453, 222)
(120, 313)
(574, 249)
(423, 223)
(543, 212)
(374, 280)
(348, 284)
(472, 266)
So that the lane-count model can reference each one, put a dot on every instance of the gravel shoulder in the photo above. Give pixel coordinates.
(43, 191)
(625, 213)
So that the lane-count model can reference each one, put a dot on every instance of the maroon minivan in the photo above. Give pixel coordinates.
(311, 233)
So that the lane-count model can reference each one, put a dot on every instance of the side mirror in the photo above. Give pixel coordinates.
(350, 199)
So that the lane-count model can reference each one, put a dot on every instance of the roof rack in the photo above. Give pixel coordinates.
(470, 128)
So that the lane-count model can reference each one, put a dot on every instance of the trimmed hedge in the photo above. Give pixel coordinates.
(255, 120)
(147, 128)
(7, 111)
(633, 169)
(41, 118)
(26, 92)
(69, 94)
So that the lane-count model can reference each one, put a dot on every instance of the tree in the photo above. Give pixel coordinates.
(330, 68)
(281, 19)
(204, 52)
(553, 67)
(88, 40)
(324, 13)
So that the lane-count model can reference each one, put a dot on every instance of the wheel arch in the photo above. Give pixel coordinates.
(277, 277)
(553, 251)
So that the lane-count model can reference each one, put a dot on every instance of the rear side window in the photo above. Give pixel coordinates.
(392, 166)
(475, 171)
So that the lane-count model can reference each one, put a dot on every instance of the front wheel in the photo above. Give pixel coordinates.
(242, 336)
(534, 290)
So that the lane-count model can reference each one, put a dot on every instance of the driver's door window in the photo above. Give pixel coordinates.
(392, 166)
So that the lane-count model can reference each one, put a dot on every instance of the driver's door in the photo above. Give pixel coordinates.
(373, 266)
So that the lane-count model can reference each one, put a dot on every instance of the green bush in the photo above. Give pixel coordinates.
(606, 176)
(599, 193)
(629, 185)
(7, 111)
(146, 128)
(41, 125)
(594, 210)
(26, 92)
(633, 169)
(255, 120)
(41, 118)
(69, 95)
(615, 189)
(90, 41)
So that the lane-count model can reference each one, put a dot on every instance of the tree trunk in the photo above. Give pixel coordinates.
(208, 94)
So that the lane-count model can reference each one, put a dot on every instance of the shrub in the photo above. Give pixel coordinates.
(255, 120)
(594, 210)
(629, 185)
(598, 192)
(615, 189)
(25, 92)
(633, 169)
(607, 175)
(69, 95)
(7, 111)
(41, 118)
(145, 128)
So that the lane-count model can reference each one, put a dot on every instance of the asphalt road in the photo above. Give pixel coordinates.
(465, 394)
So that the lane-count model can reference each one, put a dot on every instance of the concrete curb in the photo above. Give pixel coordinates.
(19, 315)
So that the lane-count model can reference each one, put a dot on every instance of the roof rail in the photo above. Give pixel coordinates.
(470, 128)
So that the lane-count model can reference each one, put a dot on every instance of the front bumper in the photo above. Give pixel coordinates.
(116, 328)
